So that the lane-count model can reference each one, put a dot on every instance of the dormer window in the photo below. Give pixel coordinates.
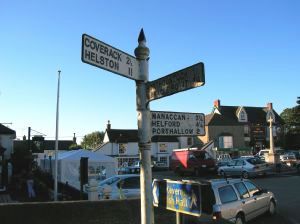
(270, 114)
(242, 115)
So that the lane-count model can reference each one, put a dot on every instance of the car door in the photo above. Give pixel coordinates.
(229, 169)
(261, 200)
(130, 188)
(238, 167)
(230, 203)
(248, 203)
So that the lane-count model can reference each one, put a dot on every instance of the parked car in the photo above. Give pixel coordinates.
(134, 168)
(245, 167)
(235, 200)
(191, 160)
(288, 159)
(120, 187)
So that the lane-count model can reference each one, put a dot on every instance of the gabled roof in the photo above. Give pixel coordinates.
(221, 120)
(228, 116)
(124, 136)
(6, 131)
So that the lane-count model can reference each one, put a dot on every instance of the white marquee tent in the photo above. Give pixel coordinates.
(99, 166)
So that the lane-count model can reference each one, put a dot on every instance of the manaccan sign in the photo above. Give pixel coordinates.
(177, 123)
(188, 78)
(102, 55)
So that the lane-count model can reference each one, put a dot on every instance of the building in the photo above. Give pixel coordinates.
(7, 136)
(241, 129)
(123, 144)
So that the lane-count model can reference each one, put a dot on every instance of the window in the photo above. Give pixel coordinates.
(251, 187)
(164, 160)
(243, 192)
(189, 141)
(163, 147)
(227, 194)
(243, 115)
(130, 183)
(246, 129)
(240, 163)
(225, 142)
(122, 148)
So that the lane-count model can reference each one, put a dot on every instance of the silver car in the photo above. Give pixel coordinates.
(236, 200)
(244, 167)
(120, 187)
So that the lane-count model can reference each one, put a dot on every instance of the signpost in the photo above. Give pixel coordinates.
(188, 78)
(102, 55)
(177, 124)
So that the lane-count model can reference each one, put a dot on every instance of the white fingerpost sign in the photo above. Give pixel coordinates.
(177, 123)
(102, 55)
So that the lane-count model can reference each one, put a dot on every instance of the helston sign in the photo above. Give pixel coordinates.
(99, 54)
(177, 124)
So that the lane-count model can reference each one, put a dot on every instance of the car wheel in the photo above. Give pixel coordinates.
(298, 168)
(272, 208)
(245, 175)
(239, 219)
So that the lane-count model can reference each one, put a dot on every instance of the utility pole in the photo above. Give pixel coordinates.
(56, 139)
(144, 131)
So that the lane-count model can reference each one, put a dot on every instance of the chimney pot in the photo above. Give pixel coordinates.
(270, 106)
(217, 103)
(108, 125)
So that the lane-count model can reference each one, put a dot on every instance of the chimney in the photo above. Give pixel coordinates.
(74, 139)
(217, 103)
(108, 125)
(270, 106)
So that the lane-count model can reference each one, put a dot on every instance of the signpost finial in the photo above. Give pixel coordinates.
(142, 51)
(142, 36)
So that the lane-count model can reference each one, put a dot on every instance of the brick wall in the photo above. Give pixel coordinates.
(80, 212)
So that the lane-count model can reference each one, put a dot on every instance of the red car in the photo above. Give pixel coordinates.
(191, 160)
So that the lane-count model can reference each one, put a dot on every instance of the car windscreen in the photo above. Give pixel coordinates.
(255, 161)
(109, 181)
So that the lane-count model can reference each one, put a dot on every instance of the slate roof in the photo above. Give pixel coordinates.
(6, 131)
(229, 116)
(124, 135)
(47, 144)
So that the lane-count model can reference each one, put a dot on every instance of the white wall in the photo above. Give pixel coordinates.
(7, 142)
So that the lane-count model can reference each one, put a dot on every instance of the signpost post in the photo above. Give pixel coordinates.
(102, 55)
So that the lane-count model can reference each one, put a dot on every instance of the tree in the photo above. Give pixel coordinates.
(92, 140)
(291, 117)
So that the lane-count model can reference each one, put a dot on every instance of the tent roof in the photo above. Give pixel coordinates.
(77, 154)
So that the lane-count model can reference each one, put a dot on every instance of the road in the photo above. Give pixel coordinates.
(287, 191)
(286, 188)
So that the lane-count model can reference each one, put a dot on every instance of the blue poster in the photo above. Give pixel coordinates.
(183, 197)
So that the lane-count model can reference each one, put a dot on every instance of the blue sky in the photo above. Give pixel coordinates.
(251, 52)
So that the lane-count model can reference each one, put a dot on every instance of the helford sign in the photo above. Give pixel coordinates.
(177, 124)
(102, 55)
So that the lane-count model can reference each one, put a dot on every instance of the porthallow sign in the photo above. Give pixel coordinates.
(177, 124)
(102, 55)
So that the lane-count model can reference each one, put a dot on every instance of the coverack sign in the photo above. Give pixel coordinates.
(177, 124)
(99, 54)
